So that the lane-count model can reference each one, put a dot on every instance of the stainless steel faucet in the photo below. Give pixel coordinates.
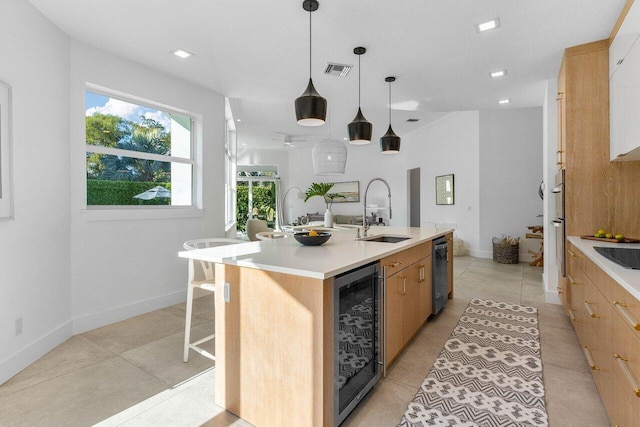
(365, 226)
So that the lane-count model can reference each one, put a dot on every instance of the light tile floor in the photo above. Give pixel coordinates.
(131, 373)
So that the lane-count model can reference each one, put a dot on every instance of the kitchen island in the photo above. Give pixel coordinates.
(275, 318)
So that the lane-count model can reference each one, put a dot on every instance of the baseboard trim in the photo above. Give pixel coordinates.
(34, 351)
(552, 298)
(116, 314)
(480, 254)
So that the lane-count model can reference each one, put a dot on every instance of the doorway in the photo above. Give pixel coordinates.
(413, 197)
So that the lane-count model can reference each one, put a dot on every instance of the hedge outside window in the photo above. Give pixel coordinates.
(136, 154)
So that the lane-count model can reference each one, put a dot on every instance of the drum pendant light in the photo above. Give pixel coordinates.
(360, 129)
(390, 142)
(311, 108)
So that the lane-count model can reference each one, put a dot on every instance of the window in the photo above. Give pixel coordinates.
(258, 188)
(136, 154)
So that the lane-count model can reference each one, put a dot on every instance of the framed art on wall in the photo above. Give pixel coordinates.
(6, 206)
(346, 191)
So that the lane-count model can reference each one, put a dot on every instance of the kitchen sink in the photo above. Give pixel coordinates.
(385, 239)
(626, 257)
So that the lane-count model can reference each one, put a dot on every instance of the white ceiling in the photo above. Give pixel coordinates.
(257, 53)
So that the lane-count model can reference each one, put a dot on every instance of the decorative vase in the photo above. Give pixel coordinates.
(328, 218)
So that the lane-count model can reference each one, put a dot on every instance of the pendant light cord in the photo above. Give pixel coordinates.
(359, 67)
(310, 42)
(389, 103)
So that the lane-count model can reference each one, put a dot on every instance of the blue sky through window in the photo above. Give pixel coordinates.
(96, 103)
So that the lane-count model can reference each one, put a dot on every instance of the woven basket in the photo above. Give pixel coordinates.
(505, 253)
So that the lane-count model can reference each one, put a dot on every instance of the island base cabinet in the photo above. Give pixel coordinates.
(274, 347)
(394, 300)
(408, 305)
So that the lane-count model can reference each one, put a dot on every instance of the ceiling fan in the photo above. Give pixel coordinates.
(287, 140)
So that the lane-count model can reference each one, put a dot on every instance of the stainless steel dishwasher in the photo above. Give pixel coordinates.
(440, 288)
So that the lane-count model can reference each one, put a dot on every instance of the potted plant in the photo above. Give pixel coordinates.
(322, 189)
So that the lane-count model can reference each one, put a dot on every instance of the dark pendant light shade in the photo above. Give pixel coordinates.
(311, 108)
(390, 142)
(360, 130)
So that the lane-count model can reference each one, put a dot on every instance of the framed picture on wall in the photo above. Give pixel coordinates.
(6, 206)
(347, 191)
(444, 190)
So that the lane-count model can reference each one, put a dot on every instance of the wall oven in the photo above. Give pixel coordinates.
(357, 344)
(559, 222)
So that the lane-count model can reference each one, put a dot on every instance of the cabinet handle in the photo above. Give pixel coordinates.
(571, 254)
(587, 305)
(572, 281)
(590, 361)
(572, 315)
(395, 264)
(627, 373)
(404, 286)
(621, 308)
(421, 274)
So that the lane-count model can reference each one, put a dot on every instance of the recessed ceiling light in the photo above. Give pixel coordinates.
(499, 73)
(238, 120)
(181, 53)
(489, 25)
(504, 101)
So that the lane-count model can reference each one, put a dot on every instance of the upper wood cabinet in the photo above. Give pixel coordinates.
(562, 138)
(624, 89)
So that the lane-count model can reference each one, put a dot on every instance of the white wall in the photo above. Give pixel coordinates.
(35, 280)
(449, 146)
(484, 150)
(121, 268)
(550, 146)
(364, 163)
(510, 173)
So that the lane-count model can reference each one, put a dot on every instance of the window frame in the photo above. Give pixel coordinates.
(118, 212)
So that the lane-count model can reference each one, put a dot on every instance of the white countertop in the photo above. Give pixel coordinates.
(627, 278)
(338, 255)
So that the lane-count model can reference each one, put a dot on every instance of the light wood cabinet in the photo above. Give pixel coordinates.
(425, 282)
(606, 325)
(562, 137)
(408, 305)
(394, 332)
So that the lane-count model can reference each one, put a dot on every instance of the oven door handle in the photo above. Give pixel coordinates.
(556, 223)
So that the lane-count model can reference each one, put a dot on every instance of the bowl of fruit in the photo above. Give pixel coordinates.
(312, 237)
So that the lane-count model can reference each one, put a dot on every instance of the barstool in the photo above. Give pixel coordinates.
(203, 278)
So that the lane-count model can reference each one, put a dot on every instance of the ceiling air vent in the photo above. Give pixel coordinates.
(413, 120)
(340, 70)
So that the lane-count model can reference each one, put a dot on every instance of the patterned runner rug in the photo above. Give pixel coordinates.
(489, 372)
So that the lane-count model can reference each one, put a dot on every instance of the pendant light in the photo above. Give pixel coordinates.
(390, 142)
(311, 108)
(360, 129)
(329, 157)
